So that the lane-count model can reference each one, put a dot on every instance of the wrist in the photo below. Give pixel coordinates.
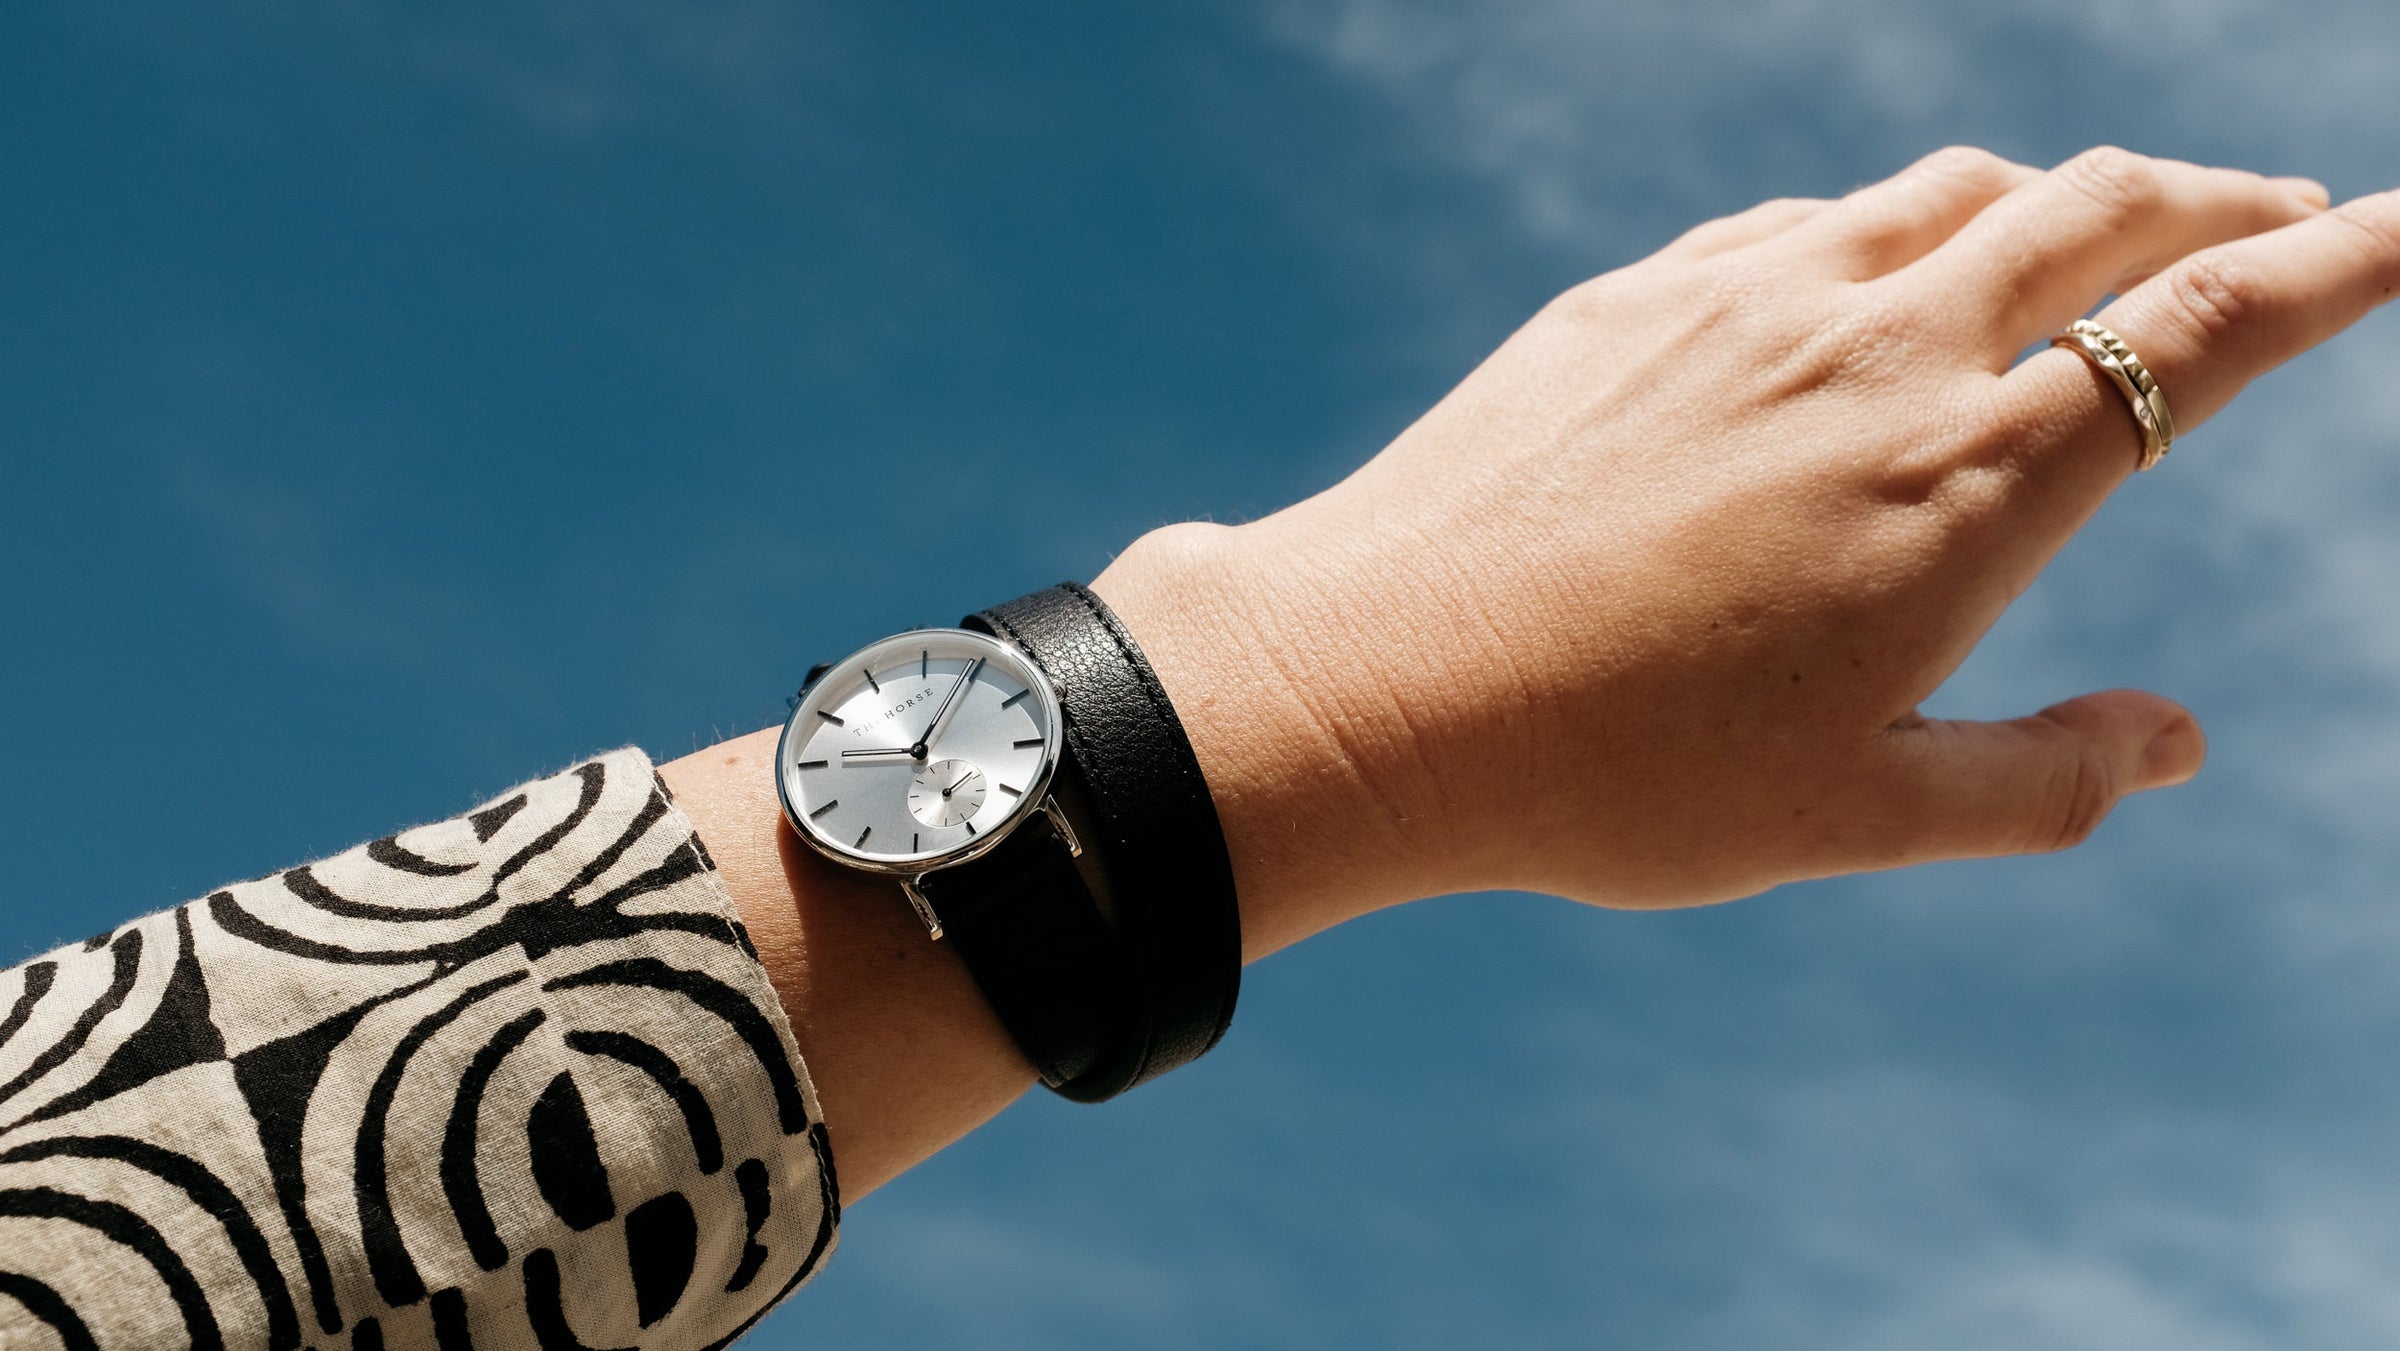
(906, 1053)
(1316, 833)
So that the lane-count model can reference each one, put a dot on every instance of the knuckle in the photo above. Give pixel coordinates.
(1973, 164)
(2123, 184)
(2078, 797)
(1763, 221)
(1700, 236)
(2375, 223)
(2213, 294)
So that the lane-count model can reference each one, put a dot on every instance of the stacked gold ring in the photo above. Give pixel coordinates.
(2125, 370)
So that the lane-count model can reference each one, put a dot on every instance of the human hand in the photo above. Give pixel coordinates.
(1641, 613)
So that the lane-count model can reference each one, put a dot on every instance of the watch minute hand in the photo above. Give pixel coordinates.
(950, 700)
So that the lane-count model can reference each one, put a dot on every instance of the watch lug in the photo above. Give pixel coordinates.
(1058, 822)
(923, 907)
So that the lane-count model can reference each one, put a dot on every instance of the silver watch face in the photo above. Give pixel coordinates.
(920, 751)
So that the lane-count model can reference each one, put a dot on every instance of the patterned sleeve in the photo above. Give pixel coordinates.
(510, 1081)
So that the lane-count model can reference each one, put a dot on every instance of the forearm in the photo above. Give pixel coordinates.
(906, 1055)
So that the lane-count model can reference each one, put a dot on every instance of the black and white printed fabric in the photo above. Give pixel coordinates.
(512, 1081)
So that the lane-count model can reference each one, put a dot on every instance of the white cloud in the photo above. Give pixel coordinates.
(1595, 115)
(1904, 1208)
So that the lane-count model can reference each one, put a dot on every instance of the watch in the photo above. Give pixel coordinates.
(1028, 787)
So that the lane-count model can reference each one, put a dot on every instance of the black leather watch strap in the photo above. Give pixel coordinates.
(1155, 827)
(1030, 933)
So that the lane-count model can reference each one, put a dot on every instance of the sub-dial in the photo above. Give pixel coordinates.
(945, 793)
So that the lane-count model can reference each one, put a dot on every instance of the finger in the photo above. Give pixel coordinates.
(1727, 233)
(2049, 250)
(2307, 190)
(2221, 318)
(1978, 789)
(2205, 328)
(1885, 226)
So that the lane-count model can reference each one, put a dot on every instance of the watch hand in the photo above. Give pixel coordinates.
(882, 753)
(965, 678)
(961, 779)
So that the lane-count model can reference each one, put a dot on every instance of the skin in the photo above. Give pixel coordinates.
(1641, 613)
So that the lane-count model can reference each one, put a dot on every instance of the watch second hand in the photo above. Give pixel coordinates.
(965, 678)
(961, 779)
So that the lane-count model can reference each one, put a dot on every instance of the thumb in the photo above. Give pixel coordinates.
(1975, 789)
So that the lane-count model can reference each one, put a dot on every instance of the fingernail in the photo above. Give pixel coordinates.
(2307, 190)
(2173, 755)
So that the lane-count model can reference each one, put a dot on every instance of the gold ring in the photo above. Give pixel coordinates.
(2125, 370)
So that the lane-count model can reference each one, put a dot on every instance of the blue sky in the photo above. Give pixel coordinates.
(402, 400)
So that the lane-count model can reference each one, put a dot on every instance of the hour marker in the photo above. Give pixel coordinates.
(824, 809)
(861, 841)
(1015, 697)
(1012, 790)
(1033, 741)
(913, 846)
(871, 684)
(829, 717)
(812, 764)
(924, 663)
(970, 827)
